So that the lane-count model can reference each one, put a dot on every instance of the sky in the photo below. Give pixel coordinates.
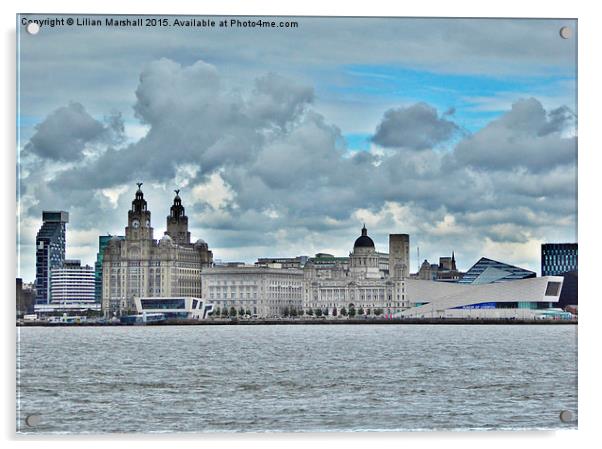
(284, 142)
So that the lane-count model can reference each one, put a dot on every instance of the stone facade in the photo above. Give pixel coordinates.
(139, 265)
(361, 281)
(263, 291)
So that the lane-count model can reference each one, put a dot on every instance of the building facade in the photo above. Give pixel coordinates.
(50, 251)
(486, 271)
(262, 291)
(362, 282)
(103, 242)
(72, 283)
(558, 258)
(140, 266)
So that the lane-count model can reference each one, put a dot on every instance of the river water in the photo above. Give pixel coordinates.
(298, 378)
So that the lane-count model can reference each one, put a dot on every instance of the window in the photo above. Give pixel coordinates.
(553, 289)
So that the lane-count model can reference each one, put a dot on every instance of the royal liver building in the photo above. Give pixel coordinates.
(141, 266)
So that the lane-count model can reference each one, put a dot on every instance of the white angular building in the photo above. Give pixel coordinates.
(72, 283)
(521, 299)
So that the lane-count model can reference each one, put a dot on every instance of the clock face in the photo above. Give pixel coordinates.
(135, 224)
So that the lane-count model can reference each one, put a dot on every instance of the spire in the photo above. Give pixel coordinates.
(364, 230)
(139, 203)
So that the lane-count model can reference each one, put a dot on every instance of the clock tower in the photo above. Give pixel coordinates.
(139, 224)
(177, 222)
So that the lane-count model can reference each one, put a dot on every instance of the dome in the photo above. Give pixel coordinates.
(165, 240)
(200, 242)
(363, 241)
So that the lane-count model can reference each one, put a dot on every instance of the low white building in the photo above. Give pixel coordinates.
(520, 299)
(174, 307)
(262, 291)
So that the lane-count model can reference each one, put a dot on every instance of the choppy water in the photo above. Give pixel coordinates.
(295, 378)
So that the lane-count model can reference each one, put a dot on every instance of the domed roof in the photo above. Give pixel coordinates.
(165, 240)
(200, 242)
(363, 241)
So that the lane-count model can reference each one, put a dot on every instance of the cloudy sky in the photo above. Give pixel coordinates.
(461, 133)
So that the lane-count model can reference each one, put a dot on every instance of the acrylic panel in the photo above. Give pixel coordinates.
(295, 224)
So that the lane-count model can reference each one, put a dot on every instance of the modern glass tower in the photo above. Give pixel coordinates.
(103, 241)
(558, 258)
(50, 251)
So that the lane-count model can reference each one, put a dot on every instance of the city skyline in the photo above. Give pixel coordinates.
(470, 150)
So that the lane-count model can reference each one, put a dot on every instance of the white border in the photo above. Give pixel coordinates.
(589, 164)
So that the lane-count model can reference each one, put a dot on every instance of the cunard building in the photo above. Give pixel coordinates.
(140, 266)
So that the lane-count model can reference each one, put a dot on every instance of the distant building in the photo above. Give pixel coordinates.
(283, 262)
(363, 281)
(72, 283)
(262, 291)
(25, 297)
(103, 242)
(140, 266)
(486, 271)
(445, 271)
(50, 251)
(558, 258)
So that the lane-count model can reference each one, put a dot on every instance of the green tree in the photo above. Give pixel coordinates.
(224, 312)
(368, 311)
(241, 311)
(310, 312)
(326, 311)
(318, 312)
(248, 312)
(293, 312)
(216, 312)
(301, 312)
(378, 312)
(360, 311)
(351, 312)
(232, 312)
(343, 311)
(285, 312)
(334, 311)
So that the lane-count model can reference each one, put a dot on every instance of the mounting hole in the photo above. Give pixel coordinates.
(33, 28)
(566, 32)
(33, 420)
(566, 416)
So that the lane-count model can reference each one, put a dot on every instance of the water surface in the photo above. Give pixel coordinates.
(295, 378)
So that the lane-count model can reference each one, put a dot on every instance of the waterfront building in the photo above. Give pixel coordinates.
(72, 283)
(174, 307)
(362, 282)
(558, 258)
(529, 298)
(486, 271)
(50, 251)
(445, 271)
(103, 242)
(262, 291)
(282, 262)
(140, 266)
(25, 297)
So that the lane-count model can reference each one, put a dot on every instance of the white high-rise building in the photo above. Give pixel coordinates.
(72, 283)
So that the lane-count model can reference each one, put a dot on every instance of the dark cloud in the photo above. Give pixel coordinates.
(417, 127)
(526, 136)
(293, 183)
(66, 132)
